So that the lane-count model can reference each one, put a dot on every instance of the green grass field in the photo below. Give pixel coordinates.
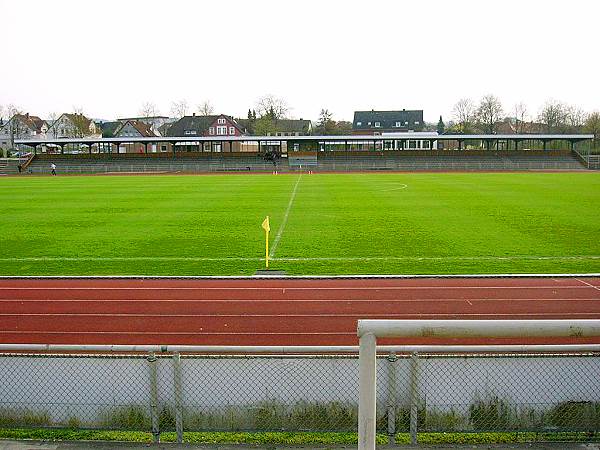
(433, 223)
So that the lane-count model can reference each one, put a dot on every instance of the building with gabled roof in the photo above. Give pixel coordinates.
(22, 126)
(70, 125)
(377, 122)
(214, 125)
(283, 127)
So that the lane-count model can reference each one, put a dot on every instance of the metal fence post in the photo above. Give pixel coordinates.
(391, 400)
(414, 397)
(154, 396)
(177, 384)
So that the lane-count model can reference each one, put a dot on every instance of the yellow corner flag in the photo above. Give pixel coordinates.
(267, 228)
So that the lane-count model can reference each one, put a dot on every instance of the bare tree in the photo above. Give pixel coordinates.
(81, 124)
(179, 109)
(274, 106)
(52, 118)
(15, 128)
(576, 118)
(464, 114)
(489, 113)
(521, 117)
(206, 108)
(148, 109)
(553, 116)
(592, 125)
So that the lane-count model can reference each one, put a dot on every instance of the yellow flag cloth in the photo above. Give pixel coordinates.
(265, 224)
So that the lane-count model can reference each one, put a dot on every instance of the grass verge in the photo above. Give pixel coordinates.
(284, 438)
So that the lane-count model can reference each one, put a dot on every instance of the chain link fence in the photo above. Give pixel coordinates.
(417, 393)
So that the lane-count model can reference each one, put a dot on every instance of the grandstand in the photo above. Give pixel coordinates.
(318, 153)
(437, 160)
(8, 166)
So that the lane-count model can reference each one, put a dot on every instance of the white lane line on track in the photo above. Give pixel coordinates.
(329, 315)
(295, 300)
(267, 288)
(285, 219)
(588, 284)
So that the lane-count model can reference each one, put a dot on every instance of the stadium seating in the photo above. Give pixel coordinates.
(325, 162)
(8, 166)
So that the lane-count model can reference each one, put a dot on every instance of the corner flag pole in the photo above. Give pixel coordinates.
(267, 228)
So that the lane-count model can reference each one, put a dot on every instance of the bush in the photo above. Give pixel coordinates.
(126, 418)
(23, 418)
(571, 415)
(490, 414)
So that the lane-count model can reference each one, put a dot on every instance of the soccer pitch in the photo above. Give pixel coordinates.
(322, 224)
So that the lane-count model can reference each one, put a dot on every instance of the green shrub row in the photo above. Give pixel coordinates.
(491, 414)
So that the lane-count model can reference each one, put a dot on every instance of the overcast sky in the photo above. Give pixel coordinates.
(109, 57)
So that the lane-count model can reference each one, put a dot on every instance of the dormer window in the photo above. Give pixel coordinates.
(416, 123)
(398, 124)
(358, 124)
(377, 124)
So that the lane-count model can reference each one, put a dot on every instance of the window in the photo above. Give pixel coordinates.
(358, 124)
(398, 124)
(186, 132)
(377, 124)
(369, 124)
(211, 130)
(221, 131)
(406, 123)
(231, 130)
(416, 122)
(221, 120)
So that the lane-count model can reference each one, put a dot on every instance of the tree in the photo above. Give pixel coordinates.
(520, 110)
(53, 117)
(148, 109)
(440, 126)
(276, 107)
(265, 126)
(326, 124)
(15, 127)
(464, 115)
(81, 124)
(592, 126)
(576, 118)
(553, 116)
(179, 109)
(206, 108)
(489, 113)
(251, 121)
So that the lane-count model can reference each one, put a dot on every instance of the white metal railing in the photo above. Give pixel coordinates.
(370, 329)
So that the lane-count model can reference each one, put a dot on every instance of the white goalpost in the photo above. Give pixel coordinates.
(369, 330)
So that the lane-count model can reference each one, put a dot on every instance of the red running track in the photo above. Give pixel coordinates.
(274, 312)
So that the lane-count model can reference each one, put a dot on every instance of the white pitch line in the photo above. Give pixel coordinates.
(292, 258)
(402, 186)
(285, 218)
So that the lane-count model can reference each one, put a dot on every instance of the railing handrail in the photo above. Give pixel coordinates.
(261, 349)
